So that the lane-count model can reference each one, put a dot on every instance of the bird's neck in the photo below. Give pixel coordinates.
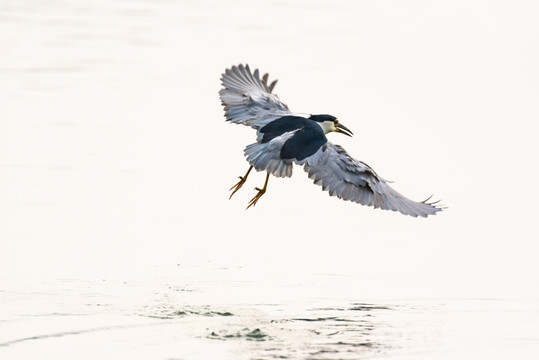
(327, 126)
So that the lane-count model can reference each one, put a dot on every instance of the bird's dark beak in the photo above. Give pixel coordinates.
(344, 130)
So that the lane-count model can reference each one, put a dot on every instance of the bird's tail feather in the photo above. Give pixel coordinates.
(262, 158)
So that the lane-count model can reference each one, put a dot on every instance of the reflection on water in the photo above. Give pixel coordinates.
(70, 310)
(164, 316)
(339, 332)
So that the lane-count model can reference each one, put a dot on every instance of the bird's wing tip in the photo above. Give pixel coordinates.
(435, 206)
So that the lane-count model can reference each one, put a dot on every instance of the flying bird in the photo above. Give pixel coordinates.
(286, 138)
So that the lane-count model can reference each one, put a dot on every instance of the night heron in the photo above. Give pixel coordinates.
(286, 138)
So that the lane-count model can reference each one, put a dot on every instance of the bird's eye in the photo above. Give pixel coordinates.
(336, 122)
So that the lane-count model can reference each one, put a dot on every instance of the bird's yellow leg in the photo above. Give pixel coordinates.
(260, 193)
(241, 182)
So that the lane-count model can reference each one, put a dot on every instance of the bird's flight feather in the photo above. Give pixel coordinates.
(350, 179)
(247, 98)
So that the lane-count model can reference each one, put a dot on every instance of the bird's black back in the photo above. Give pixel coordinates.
(304, 143)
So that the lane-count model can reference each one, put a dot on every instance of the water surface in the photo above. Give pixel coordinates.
(117, 236)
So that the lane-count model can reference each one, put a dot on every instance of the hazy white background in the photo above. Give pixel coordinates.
(115, 159)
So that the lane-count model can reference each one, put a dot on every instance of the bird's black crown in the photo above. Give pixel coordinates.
(322, 117)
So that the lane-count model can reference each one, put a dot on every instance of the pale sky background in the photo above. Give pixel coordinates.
(115, 155)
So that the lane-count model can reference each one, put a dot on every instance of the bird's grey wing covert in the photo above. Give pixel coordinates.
(350, 179)
(248, 99)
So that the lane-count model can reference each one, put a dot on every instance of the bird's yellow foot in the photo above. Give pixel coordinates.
(237, 186)
(241, 182)
(257, 197)
(260, 193)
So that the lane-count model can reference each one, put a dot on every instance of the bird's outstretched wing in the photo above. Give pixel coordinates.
(248, 99)
(350, 179)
